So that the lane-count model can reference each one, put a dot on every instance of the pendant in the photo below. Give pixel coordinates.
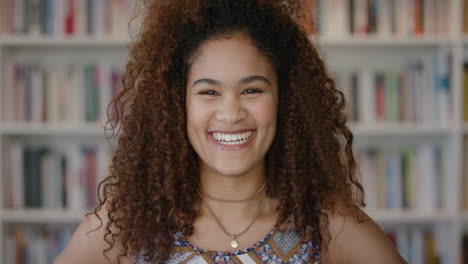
(234, 243)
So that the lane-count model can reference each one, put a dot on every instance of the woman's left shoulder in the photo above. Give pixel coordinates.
(356, 238)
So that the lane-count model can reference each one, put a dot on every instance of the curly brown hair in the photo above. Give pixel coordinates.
(150, 192)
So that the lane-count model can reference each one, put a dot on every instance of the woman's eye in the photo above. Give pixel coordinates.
(252, 91)
(209, 92)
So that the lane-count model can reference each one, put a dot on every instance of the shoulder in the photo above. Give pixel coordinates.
(356, 238)
(87, 243)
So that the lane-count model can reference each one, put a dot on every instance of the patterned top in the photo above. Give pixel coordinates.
(276, 247)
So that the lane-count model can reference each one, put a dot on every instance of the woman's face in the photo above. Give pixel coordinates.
(232, 98)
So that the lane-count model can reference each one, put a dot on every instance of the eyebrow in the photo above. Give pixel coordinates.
(245, 80)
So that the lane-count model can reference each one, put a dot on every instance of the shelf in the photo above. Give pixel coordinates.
(383, 41)
(464, 216)
(40, 129)
(465, 128)
(409, 217)
(44, 41)
(403, 129)
(465, 40)
(30, 41)
(41, 216)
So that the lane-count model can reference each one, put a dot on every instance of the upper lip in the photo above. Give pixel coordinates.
(230, 131)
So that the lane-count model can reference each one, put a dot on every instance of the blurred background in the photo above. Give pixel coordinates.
(402, 64)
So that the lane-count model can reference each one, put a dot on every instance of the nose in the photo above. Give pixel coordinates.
(231, 110)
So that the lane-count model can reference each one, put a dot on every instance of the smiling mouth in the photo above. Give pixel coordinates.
(232, 139)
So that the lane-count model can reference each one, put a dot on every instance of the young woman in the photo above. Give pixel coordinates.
(234, 147)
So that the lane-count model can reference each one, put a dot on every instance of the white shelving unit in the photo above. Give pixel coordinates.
(382, 42)
(409, 217)
(40, 216)
(336, 52)
(41, 129)
(409, 129)
(38, 41)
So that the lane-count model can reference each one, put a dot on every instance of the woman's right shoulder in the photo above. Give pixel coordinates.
(87, 243)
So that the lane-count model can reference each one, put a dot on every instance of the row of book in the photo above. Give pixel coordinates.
(464, 193)
(405, 18)
(407, 178)
(54, 177)
(420, 246)
(465, 91)
(67, 17)
(418, 93)
(35, 245)
(465, 16)
(74, 93)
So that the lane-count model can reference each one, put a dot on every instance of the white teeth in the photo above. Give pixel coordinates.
(230, 139)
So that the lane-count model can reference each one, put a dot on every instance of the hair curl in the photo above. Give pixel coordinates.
(149, 193)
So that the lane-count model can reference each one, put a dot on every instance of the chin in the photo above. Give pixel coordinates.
(231, 170)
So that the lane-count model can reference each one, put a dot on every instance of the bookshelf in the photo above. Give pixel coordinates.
(41, 129)
(41, 216)
(38, 41)
(382, 41)
(345, 52)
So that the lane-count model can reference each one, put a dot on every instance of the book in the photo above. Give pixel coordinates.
(54, 177)
(41, 244)
(360, 26)
(381, 18)
(33, 17)
(384, 18)
(416, 245)
(402, 242)
(406, 177)
(465, 174)
(419, 92)
(465, 92)
(366, 167)
(429, 23)
(73, 93)
(442, 70)
(465, 16)
(64, 18)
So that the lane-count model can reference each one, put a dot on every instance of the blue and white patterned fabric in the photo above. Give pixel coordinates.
(276, 247)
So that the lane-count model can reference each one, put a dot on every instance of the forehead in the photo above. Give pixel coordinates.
(229, 58)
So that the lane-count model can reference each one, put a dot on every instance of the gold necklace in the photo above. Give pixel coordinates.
(233, 201)
(234, 243)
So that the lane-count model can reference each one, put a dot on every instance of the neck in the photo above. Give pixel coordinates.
(235, 217)
(232, 187)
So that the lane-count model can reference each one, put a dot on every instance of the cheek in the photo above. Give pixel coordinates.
(265, 112)
(197, 119)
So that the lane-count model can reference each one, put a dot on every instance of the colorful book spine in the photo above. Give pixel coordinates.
(67, 17)
(54, 177)
(75, 93)
(383, 18)
(39, 245)
(405, 178)
(418, 245)
(418, 93)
